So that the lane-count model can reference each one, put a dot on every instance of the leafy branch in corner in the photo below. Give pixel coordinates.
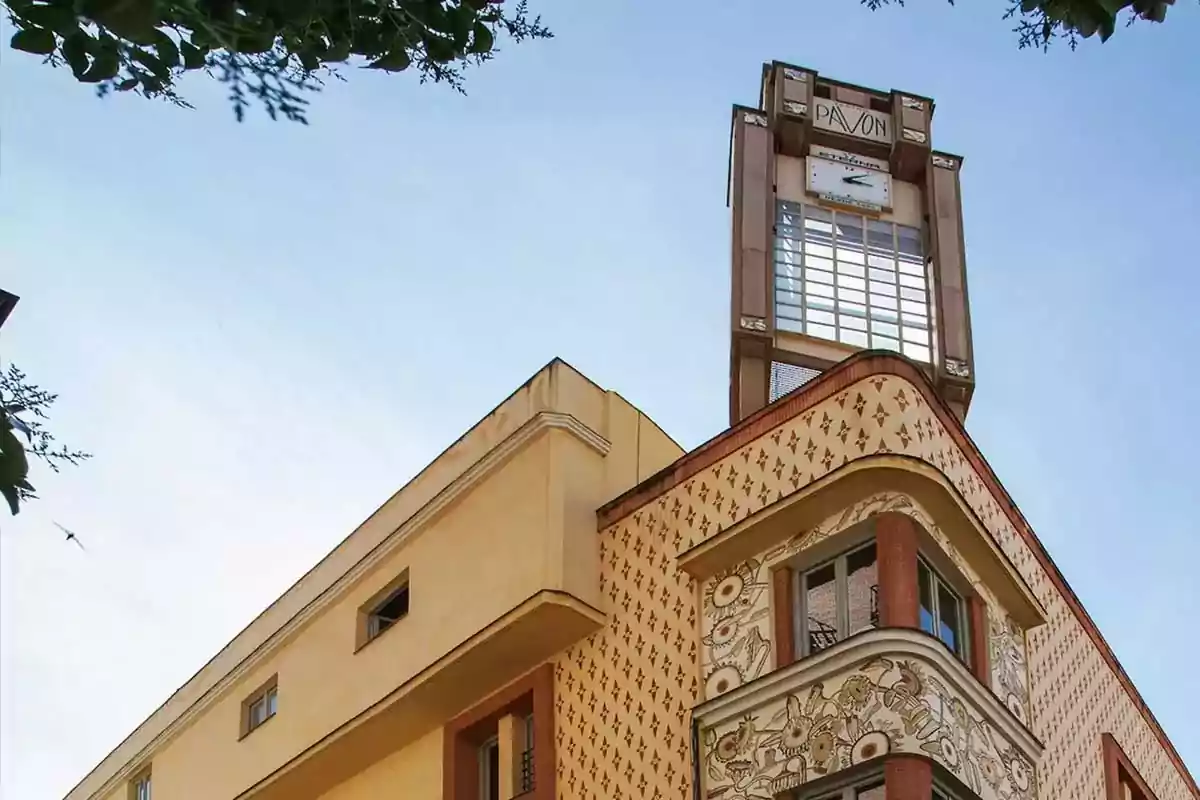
(23, 412)
(1039, 22)
(272, 52)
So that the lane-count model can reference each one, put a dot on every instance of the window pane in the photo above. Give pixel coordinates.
(870, 792)
(271, 702)
(948, 621)
(489, 766)
(820, 606)
(924, 582)
(862, 589)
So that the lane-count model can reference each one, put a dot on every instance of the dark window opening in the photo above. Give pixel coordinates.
(823, 90)
(879, 104)
(393, 609)
(489, 766)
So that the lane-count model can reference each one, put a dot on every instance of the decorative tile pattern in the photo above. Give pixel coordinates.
(607, 750)
(884, 706)
(623, 696)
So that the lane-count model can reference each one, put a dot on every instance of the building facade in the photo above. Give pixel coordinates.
(833, 598)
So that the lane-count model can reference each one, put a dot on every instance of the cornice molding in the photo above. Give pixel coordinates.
(421, 519)
(851, 653)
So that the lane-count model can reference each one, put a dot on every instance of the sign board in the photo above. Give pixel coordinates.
(850, 120)
(853, 159)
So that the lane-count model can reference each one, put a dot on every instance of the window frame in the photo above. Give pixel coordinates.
(844, 787)
(368, 627)
(268, 695)
(841, 592)
(485, 767)
(963, 635)
(140, 780)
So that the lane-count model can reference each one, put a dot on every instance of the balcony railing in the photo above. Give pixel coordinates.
(822, 634)
(526, 784)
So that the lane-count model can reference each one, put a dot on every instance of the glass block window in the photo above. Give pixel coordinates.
(786, 378)
(851, 279)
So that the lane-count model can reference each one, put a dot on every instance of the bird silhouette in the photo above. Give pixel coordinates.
(71, 537)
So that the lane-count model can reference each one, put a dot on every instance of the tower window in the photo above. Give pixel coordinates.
(848, 278)
(837, 599)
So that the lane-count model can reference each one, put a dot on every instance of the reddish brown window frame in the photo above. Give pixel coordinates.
(1119, 771)
(464, 735)
(897, 550)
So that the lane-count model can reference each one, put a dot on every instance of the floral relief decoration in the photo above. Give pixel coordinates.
(736, 635)
(1010, 676)
(736, 620)
(886, 705)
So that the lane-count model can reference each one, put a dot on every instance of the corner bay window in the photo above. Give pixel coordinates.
(941, 608)
(836, 599)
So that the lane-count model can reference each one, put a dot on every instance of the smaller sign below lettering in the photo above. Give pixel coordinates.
(851, 120)
(854, 159)
(849, 202)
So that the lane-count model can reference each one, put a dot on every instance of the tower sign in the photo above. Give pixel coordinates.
(847, 235)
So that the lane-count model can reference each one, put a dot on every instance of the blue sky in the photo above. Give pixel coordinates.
(263, 329)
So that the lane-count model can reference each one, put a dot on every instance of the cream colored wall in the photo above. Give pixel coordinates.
(413, 773)
(1076, 697)
(790, 180)
(523, 525)
(488, 553)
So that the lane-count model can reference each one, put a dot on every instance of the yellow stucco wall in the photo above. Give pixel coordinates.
(412, 773)
(1075, 695)
(517, 520)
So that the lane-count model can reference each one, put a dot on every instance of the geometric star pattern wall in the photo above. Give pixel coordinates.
(619, 736)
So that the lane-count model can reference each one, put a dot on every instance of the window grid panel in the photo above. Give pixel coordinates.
(847, 278)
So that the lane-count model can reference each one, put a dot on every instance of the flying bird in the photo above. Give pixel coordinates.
(71, 537)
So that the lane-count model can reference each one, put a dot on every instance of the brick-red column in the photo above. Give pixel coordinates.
(979, 640)
(907, 778)
(785, 646)
(896, 552)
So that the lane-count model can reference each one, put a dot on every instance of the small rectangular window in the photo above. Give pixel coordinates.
(837, 599)
(383, 611)
(260, 706)
(389, 612)
(139, 789)
(941, 609)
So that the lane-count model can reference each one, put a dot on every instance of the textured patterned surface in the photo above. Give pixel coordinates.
(886, 705)
(623, 697)
(735, 621)
(1075, 697)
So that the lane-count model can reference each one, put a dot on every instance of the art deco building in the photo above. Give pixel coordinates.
(834, 598)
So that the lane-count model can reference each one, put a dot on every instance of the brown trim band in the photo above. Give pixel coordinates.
(1119, 769)
(854, 369)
